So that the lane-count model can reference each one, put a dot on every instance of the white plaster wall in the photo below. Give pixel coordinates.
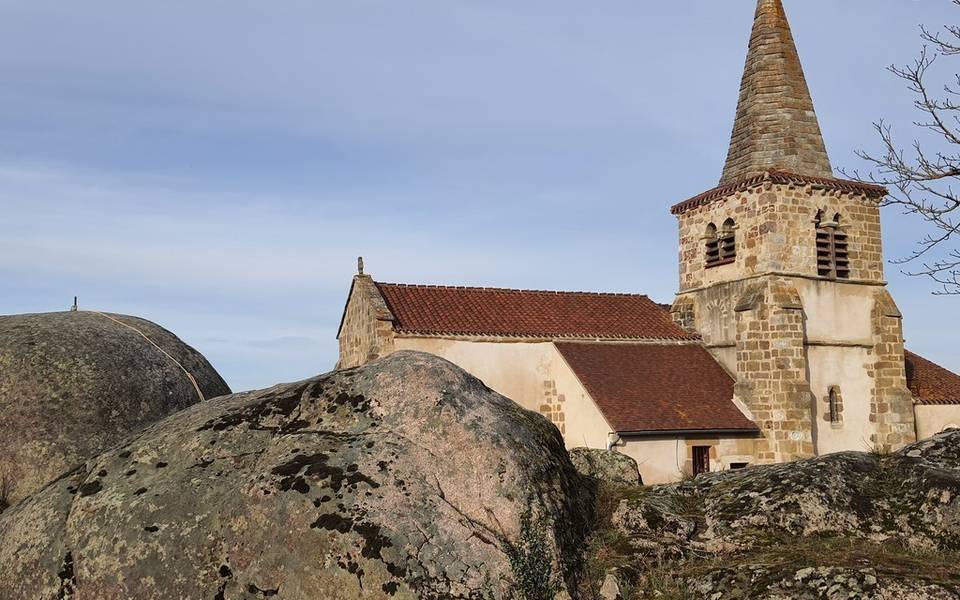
(837, 312)
(845, 368)
(518, 371)
(661, 460)
(666, 459)
(726, 357)
(586, 425)
(932, 419)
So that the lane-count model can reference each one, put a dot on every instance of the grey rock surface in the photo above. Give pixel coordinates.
(834, 516)
(606, 466)
(400, 479)
(610, 589)
(912, 496)
(816, 583)
(74, 383)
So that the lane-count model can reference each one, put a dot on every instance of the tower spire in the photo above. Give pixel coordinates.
(776, 126)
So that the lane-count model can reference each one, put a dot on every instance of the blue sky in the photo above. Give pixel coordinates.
(217, 166)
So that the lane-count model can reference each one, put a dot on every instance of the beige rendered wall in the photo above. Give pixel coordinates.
(836, 311)
(844, 368)
(532, 374)
(839, 337)
(932, 419)
(667, 459)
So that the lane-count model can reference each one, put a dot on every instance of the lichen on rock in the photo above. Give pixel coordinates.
(74, 383)
(606, 466)
(405, 478)
(847, 525)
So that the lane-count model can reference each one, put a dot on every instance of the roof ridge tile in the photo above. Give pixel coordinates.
(429, 286)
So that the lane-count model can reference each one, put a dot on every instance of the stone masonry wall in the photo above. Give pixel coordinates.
(367, 331)
(776, 233)
(753, 306)
(552, 405)
(891, 407)
(772, 370)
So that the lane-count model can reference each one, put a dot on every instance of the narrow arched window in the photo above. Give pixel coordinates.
(833, 258)
(834, 405)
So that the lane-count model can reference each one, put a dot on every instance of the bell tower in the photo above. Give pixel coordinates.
(781, 272)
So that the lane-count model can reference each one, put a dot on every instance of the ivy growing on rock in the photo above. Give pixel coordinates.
(532, 560)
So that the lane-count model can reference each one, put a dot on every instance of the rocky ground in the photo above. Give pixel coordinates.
(850, 525)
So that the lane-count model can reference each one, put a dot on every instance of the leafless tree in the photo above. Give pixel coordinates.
(921, 179)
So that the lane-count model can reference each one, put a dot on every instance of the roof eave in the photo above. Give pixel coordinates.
(871, 191)
(547, 336)
(690, 432)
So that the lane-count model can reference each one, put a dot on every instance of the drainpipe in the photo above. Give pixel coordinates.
(613, 440)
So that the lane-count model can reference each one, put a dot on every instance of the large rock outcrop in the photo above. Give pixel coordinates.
(406, 478)
(74, 383)
(848, 525)
(606, 466)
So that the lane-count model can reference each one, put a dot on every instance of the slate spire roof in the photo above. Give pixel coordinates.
(776, 127)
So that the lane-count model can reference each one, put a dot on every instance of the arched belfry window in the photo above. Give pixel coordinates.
(721, 245)
(713, 245)
(728, 240)
(833, 258)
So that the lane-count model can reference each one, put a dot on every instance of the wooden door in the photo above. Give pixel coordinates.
(701, 459)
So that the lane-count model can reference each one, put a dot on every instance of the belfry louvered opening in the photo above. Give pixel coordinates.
(721, 245)
(833, 258)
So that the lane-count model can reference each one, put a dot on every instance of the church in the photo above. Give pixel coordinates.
(783, 341)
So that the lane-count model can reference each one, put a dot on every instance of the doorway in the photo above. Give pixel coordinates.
(701, 459)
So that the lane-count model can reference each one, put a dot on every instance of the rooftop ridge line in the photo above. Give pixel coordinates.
(509, 290)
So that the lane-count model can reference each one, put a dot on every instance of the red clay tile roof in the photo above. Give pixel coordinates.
(780, 177)
(931, 383)
(436, 310)
(649, 388)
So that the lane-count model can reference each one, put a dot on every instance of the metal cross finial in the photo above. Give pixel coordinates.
(359, 265)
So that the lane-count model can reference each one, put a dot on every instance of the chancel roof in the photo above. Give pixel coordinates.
(657, 387)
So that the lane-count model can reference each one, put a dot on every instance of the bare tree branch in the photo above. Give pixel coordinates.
(921, 181)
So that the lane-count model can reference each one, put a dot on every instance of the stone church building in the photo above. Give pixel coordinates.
(783, 341)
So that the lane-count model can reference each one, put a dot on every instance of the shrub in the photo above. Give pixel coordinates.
(531, 559)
